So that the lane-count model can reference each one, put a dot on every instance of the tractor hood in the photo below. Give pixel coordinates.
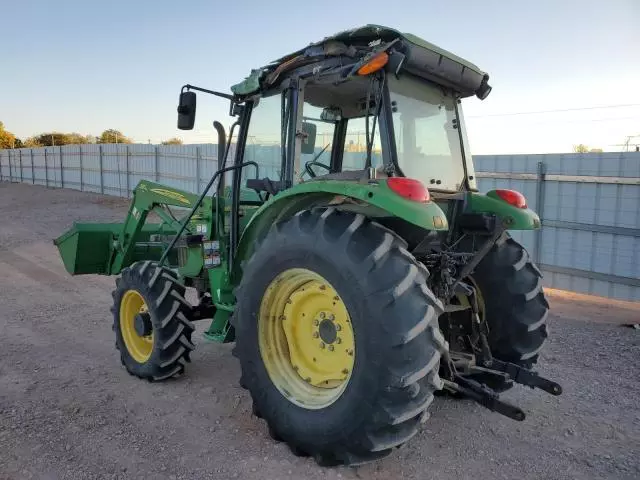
(421, 58)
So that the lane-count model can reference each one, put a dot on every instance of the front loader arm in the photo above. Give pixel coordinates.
(148, 197)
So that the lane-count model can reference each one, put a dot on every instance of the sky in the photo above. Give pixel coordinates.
(85, 66)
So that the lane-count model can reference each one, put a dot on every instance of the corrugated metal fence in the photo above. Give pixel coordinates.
(589, 203)
(590, 210)
(111, 169)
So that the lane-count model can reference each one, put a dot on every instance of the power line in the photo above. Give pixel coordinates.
(556, 111)
(557, 121)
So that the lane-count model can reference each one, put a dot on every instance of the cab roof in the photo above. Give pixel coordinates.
(413, 54)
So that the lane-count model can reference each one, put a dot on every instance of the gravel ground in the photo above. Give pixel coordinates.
(68, 410)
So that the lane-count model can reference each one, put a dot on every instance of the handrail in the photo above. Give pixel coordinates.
(199, 202)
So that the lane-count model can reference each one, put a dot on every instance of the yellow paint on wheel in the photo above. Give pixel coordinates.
(306, 338)
(463, 300)
(139, 347)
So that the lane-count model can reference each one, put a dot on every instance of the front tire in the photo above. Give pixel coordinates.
(396, 347)
(150, 320)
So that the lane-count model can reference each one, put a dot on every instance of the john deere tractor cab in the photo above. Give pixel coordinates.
(342, 244)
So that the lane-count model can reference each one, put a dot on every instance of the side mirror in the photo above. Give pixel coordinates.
(308, 138)
(187, 110)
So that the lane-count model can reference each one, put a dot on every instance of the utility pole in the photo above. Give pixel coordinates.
(627, 145)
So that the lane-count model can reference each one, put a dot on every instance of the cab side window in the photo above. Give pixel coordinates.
(264, 139)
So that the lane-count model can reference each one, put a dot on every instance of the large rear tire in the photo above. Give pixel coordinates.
(515, 308)
(395, 341)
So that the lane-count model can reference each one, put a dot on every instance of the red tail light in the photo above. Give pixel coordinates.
(512, 197)
(409, 188)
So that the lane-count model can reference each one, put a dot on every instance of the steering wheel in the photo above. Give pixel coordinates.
(312, 174)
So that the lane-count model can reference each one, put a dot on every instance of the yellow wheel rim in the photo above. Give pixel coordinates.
(464, 301)
(139, 347)
(306, 338)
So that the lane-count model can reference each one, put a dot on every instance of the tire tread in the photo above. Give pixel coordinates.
(407, 387)
(168, 308)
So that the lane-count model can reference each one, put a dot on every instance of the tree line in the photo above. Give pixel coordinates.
(49, 139)
(582, 148)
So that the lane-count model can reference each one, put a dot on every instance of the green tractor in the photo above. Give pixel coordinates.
(344, 248)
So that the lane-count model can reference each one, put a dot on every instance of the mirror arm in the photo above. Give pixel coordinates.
(217, 94)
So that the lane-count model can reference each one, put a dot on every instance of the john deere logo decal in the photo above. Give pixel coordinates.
(171, 194)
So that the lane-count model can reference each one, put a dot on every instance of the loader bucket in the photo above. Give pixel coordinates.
(86, 248)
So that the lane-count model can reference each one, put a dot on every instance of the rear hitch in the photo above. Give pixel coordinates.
(484, 396)
(483, 362)
(489, 398)
(521, 375)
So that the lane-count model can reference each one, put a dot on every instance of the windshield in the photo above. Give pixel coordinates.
(426, 133)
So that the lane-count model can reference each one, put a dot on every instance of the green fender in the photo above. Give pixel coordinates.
(373, 198)
(513, 218)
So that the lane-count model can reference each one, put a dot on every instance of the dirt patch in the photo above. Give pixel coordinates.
(575, 306)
